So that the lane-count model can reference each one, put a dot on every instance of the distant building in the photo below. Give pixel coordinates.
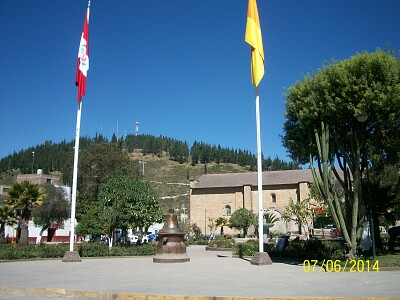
(4, 190)
(219, 195)
(59, 231)
(40, 178)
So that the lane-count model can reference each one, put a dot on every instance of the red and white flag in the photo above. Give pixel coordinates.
(83, 59)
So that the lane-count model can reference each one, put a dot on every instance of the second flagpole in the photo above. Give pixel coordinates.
(259, 176)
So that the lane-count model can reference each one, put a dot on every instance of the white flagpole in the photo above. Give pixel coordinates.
(75, 177)
(72, 255)
(259, 177)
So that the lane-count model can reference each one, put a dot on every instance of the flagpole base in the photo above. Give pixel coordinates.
(261, 258)
(71, 256)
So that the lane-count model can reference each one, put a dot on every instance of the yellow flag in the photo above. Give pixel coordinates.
(254, 38)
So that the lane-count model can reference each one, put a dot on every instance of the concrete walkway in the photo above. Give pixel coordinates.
(209, 274)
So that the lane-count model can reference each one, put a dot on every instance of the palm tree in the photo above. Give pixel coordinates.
(221, 221)
(7, 218)
(23, 197)
(270, 220)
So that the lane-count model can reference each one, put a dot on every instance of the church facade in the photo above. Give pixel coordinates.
(219, 195)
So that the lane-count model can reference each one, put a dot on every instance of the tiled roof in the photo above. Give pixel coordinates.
(240, 179)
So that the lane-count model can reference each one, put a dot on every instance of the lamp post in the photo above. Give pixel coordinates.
(362, 117)
(33, 160)
(183, 208)
(205, 222)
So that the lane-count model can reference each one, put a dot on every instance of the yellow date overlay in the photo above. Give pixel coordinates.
(329, 265)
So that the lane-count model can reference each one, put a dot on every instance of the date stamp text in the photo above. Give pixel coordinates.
(329, 265)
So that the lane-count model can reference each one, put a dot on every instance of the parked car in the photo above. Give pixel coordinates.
(138, 239)
(145, 239)
(133, 239)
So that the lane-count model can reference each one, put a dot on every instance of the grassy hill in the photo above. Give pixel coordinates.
(171, 179)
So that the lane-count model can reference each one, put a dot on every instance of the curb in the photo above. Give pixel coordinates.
(218, 249)
(132, 296)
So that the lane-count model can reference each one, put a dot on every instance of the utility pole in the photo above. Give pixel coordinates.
(205, 222)
(143, 163)
(33, 159)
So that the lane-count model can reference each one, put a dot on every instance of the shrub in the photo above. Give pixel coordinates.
(97, 249)
(317, 249)
(196, 242)
(13, 251)
(222, 243)
(143, 250)
(311, 249)
(294, 250)
(52, 251)
(94, 249)
(246, 249)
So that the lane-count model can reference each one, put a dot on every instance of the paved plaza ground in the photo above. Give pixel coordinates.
(209, 274)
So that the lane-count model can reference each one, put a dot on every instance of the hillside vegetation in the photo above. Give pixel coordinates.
(168, 164)
(171, 179)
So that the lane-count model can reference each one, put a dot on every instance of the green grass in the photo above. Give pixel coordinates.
(389, 260)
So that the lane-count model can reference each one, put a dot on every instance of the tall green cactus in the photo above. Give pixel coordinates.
(326, 188)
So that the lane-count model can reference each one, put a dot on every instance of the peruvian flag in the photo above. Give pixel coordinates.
(83, 59)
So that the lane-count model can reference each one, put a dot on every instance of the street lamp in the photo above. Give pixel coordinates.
(362, 117)
(205, 222)
(183, 208)
(33, 160)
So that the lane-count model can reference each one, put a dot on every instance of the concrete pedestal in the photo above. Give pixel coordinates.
(71, 256)
(261, 258)
(171, 258)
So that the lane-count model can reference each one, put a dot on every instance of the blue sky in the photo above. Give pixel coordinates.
(180, 68)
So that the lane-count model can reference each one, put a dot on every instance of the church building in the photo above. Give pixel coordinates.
(219, 195)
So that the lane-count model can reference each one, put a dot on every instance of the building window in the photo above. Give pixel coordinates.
(228, 210)
(273, 198)
(48, 180)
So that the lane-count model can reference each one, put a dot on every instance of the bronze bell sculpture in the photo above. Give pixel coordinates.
(170, 245)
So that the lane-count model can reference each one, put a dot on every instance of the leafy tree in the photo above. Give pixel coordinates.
(8, 217)
(196, 230)
(24, 197)
(54, 208)
(366, 85)
(98, 164)
(221, 222)
(337, 95)
(242, 219)
(383, 190)
(185, 227)
(128, 202)
(301, 212)
(91, 223)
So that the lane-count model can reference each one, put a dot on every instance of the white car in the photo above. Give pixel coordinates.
(144, 239)
(133, 239)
